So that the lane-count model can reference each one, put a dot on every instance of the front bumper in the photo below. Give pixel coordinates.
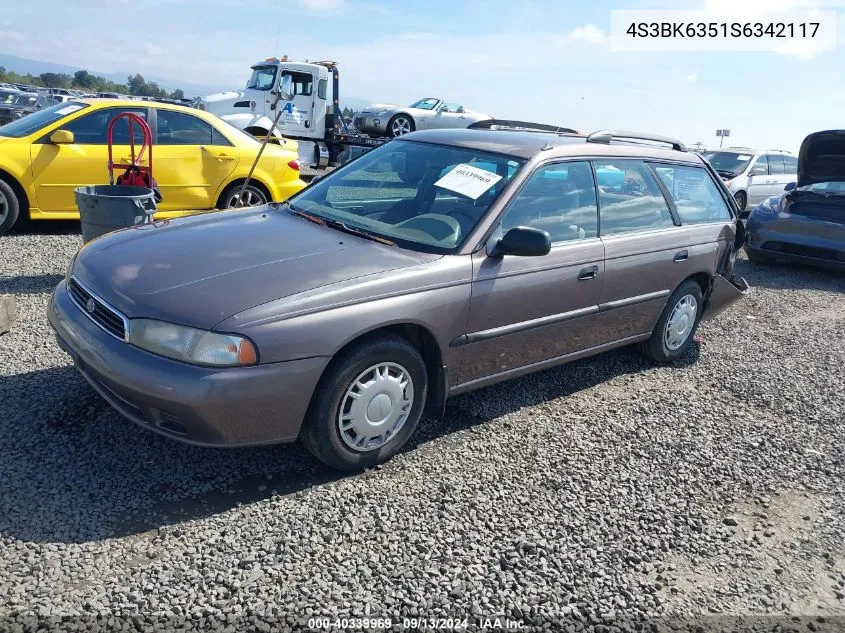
(369, 125)
(241, 406)
(724, 293)
(797, 238)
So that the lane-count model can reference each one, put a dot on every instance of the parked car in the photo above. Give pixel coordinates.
(337, 316)
(752, 175)
(425, 114)
(17, 106)
(805, 223)
(199, 160)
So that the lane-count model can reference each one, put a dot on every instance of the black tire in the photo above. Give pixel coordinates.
(321, 433)
(741, 201)
(398, 117)
(656, 347)
(758, 258)
(10, 207)
(254, 194)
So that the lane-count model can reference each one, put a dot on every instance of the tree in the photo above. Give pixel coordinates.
(177, 94)
(137, 85)
(54, 80)
(84, 79)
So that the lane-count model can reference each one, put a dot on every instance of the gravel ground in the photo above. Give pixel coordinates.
(596, 494)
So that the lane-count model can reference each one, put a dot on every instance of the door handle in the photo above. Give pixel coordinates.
(220, 156)
(590, 272)
(681, 256)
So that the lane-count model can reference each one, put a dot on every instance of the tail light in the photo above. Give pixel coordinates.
(294, 164)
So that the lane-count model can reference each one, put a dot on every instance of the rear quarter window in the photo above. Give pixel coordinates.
(696, 196)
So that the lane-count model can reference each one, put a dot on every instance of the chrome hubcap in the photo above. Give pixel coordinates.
(401, 126)
(680, 322)
(4, 206)
(249, 198)
(375, 407)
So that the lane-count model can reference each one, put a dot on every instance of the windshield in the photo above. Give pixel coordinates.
(262, 78)
(729, 162)
(425, 104)
(422, 196)
(23, 100)
(42, 118)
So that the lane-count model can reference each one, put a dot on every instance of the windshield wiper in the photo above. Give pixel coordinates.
(337, 225)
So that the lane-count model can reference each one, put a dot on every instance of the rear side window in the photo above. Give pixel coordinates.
(695, 194)
(630, 200)
(775, 164)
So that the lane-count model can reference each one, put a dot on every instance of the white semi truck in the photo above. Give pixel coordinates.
(311, 115)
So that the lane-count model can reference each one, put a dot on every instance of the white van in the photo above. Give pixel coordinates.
(753, 175)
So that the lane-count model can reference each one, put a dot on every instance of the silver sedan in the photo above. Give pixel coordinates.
(425, 114)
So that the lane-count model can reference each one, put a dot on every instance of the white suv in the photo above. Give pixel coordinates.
(752, 175)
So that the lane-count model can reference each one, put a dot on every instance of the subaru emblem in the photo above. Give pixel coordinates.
(91, 306)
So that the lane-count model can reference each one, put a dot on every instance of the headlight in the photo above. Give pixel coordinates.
(69, 270)
(190, 345)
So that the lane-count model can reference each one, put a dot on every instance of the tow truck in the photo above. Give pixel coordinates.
(307, 93)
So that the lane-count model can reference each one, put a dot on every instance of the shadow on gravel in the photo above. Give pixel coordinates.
(784, 276)
(74, 471)
(47, 227)
(29, 284)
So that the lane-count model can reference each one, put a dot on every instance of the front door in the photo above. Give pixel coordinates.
(191, 161)
(298, 112)
(59, 169)
(448, 116)
(526, 310)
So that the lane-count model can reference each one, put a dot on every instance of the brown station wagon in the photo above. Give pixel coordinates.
(430, 266)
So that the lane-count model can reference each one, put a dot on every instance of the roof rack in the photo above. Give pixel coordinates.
(522, 126)
(606, 136)
(782, 151)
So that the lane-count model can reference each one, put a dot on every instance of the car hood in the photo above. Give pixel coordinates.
(822, 158)
(375, 107)
(205, 268)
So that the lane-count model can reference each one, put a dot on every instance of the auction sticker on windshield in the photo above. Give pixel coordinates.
(468, 181)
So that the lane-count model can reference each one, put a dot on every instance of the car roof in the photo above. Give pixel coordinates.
(525, 145)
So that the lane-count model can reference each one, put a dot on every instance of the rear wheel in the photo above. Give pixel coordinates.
(400, 125)
(9, 207)
(677, 324)
(234, 198)
(741, 201)
(367, 405)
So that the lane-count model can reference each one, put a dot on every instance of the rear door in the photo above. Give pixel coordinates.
(778, 177)
(527, 310)
(647, 251)
(58, 169)
(790, 167)
(191, 161)
(758, 181)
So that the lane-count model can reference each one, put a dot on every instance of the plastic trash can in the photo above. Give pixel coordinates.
(106, 208)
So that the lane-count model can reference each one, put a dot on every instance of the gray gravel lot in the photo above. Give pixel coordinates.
(606, 490)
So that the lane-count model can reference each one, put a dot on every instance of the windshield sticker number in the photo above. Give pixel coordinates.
(69, 109)
(468, 181)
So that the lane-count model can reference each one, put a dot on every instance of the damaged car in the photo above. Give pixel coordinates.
(425, 114)
(806, 223)
(433, 265)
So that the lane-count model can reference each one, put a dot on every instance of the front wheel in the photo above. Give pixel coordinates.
(400, 125)
(235, 198)
(677, 324)
(367, 405)
(9, 207)
(741, 201)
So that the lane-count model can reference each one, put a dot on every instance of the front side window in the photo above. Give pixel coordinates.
(302, 82)
(262, 78)
(762, 163)
(425, 104)
(178, 128)
(40, 119)
(422, 196)
(559, 199)
(91, 129)
(636, 203)
(696, 196)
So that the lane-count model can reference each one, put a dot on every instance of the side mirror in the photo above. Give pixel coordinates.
(61, 137)
(286, 88)
(790, 186)
(523, 241)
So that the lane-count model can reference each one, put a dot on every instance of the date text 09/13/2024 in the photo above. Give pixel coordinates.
(497, 623)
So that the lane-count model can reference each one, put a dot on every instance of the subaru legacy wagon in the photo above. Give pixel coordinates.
(435, 264)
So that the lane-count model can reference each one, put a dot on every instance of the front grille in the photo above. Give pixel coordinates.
(98, 310)
(805, 251)
(358, 122)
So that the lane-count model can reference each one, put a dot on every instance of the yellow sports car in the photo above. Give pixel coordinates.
(199, 161)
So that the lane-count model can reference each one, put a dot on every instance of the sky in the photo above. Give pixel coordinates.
(548, 61)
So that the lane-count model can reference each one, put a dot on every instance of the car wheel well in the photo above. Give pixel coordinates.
(20, 192)
(702, 279)
(240, 181)
(424, 342)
